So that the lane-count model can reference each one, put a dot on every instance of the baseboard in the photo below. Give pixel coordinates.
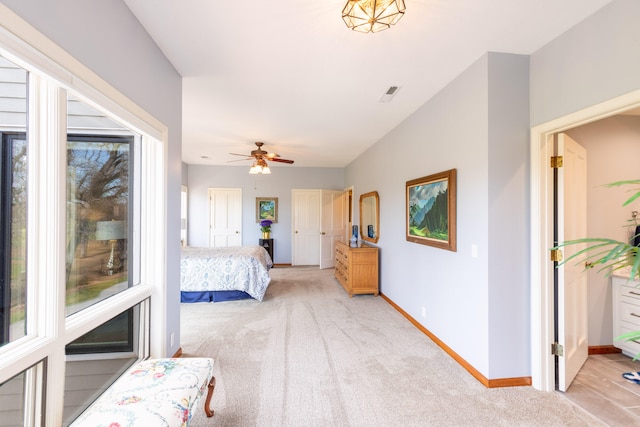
(178, 353)
(603, 349)
(493, 383)
(282, 265)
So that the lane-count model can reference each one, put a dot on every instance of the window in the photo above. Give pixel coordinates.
(79, 166)
(16, 403)
(13, 194)
(98, 200)
(96, 359)
(13, 201)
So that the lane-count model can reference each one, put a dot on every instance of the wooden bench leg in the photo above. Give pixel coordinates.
(210, 386)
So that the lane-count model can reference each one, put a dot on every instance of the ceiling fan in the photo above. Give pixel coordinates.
(260, 158)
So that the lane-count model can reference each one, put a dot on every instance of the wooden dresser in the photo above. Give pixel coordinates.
(357, 268)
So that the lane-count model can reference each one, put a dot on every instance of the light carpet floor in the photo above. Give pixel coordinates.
(308, 355)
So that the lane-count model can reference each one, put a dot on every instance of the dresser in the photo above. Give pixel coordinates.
(626, 312)
(357, 268)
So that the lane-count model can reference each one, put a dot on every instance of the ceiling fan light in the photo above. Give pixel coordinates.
(372, 15)
(255, 169)
(260, 166)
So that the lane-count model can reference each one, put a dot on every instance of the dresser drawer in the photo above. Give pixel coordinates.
(630, 313)
(630, 292)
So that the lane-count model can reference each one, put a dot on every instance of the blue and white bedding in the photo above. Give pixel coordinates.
(218, 274)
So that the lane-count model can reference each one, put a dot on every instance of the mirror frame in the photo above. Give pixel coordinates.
(363, 235)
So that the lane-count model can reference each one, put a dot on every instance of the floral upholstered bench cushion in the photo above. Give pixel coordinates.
(154, 392)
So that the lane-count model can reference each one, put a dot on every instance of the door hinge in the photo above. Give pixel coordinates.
(557, 161)
(557, 349)
(556, 255)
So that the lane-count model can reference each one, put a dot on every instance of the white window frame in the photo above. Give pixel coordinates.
(52, 71)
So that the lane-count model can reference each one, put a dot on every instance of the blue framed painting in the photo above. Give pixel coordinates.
(431, 210)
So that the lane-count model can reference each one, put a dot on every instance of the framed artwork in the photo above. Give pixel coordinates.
(267, 208)
(431, 210)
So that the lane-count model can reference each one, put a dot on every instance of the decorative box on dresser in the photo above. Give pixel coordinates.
(626, 311)
(357, 268)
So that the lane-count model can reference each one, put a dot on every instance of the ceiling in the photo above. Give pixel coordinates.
(289, 73)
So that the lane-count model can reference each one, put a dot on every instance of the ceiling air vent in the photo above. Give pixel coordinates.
(390, 93)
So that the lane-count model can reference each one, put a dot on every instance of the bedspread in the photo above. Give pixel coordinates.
(239, 268)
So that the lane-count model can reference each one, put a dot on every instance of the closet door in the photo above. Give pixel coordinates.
(306, 227)
(225, 217)
(333, 224)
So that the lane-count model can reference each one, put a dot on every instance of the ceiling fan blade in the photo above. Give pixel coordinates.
(240, 160)
(277, 159)
(243, 155)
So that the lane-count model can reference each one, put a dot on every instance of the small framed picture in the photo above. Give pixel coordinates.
(431, 210)
(267, 208)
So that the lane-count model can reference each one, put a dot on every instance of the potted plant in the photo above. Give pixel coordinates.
(610, 255)
(265, 227)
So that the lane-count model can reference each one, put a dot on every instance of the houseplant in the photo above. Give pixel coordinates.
(610, 255)
(265, 227)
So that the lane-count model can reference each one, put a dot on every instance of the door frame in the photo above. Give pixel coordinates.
(541, 229)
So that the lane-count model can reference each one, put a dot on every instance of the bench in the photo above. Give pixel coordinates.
(153, 392)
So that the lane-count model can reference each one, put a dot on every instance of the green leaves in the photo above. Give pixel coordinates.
(611, 255)
(629, 182)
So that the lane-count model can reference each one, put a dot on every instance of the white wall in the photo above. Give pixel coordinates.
(613, 150)
(108, 39)
(278, 184)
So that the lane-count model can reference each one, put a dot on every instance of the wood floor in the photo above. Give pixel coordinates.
(600, 389)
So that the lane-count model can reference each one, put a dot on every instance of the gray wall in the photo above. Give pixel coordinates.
(278, 184)
(108, 39)
(593, 62)
(480, 306)
(478, 124)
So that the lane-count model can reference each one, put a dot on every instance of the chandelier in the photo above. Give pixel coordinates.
(259, 166)
(372, 15)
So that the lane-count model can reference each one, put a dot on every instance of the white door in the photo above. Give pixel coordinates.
(572, 279)
(225, 217)
(306, 227)
(332, 225)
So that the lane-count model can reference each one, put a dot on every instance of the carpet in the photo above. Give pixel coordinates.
(308, 355)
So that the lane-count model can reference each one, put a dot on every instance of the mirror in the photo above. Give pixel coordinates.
(370, 217)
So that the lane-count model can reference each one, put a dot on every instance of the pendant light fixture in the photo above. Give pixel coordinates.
(372, 15)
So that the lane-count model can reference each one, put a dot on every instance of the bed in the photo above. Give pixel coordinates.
(224, 274)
